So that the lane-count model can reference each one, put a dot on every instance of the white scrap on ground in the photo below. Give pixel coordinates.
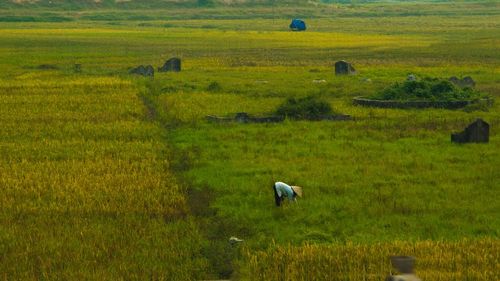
(235, 240)
(403, 277)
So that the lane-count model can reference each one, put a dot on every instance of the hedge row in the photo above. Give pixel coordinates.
(418, 104)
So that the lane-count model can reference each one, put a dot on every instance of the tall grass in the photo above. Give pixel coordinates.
(85, 193)
(435, 260)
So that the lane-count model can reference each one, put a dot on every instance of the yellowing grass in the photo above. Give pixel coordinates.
(435, 260)
(79, 145)
(238, 39)
(86, 190)
(189, 107)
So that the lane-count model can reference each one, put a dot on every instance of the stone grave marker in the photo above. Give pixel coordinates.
(344, 68)
(173, 64)
(476, 132)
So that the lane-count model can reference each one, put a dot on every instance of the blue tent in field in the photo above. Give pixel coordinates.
(298, 25)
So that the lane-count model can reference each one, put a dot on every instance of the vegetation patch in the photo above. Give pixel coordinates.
(43, 18)
(310, 108)
(369, 262)
(214, 87)
(47, 67)
(427, 92)
(427, 89)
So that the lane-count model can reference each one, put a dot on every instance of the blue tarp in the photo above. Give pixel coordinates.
(298, 25)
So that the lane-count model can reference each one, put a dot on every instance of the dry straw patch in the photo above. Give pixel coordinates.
(24, 1)
(436, 260)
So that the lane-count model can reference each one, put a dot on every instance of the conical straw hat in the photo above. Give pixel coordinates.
(298, 190)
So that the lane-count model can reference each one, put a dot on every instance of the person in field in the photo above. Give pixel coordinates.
(283, 191)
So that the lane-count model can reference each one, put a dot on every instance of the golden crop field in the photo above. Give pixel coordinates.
(85, 193)
(435, 260)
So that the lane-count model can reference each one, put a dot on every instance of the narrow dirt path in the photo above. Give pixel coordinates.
(218, 251)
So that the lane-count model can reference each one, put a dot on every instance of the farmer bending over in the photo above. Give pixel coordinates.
(282, 190)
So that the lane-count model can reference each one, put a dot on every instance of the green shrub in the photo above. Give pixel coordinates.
(43, 18)
(214, 87)
(205, 2)
(432, 89)
(304, 108)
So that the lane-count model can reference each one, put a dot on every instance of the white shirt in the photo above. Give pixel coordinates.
(284, 189)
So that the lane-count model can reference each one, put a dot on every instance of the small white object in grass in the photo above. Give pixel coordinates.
(317, 81)
(234, 240)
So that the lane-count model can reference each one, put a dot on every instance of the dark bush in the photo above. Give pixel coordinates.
(17, 19)
(205, 2)
(47, 67)
(214, 87)
(304, 108)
